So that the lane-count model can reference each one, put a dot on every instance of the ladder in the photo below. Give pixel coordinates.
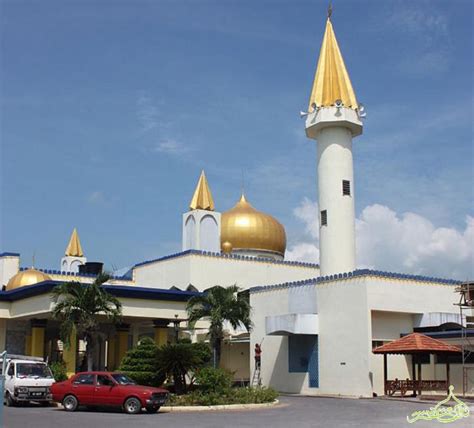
(256, 379)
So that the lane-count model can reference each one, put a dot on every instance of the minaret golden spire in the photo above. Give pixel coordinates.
(202, 198)
(331, 81)
(74, 248)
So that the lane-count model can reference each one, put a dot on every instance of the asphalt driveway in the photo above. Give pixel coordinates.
(293, 412)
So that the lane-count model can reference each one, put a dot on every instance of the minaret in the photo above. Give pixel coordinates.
(202, 225)
(333, 119)
(74, 256)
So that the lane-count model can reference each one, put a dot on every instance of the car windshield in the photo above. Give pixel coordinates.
(33, 370)
(123, 379)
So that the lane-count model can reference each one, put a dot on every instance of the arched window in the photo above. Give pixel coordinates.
(209, 235)
(189, 230)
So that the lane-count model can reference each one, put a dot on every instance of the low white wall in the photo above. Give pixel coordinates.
(206, 271)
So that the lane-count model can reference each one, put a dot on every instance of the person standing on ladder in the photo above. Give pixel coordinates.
(258, 356)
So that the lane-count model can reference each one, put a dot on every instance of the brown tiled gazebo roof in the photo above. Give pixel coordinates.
(417, 343)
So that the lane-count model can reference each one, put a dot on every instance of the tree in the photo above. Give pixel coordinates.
(141, 363)
(78, 306)
(179, 359)
(218, 305)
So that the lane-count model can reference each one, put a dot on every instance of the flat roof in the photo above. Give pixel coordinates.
(132, 291)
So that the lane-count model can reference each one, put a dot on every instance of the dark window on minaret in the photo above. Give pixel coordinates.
(324, 218)
(346, 188)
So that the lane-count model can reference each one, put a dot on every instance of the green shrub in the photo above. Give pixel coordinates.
(141, 363)
(180, 360)
(212, 380)
(230, 396)
(59, 370)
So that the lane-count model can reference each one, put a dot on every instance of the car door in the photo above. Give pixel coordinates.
(106, 392)
(10, 378)
(83, 387)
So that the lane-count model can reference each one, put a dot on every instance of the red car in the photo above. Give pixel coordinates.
(107, 389)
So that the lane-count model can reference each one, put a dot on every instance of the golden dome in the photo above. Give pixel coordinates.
(245, 228)
(27, 277)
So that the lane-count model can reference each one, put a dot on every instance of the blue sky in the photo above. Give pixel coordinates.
(110, 109)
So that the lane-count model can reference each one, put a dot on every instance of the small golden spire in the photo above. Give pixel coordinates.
(331, 81)
(202, 198)
(74, 248)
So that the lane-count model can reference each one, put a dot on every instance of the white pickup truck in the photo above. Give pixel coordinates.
(27, 379)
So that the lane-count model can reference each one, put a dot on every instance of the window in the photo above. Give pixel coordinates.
(377, 343)
(421, 358)
(346, 188)
(11, 370)
(104, 380)
(455, 359)
(84, 379)
(303, 356)
(324, 218)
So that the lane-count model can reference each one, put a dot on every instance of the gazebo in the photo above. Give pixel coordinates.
(415, 344)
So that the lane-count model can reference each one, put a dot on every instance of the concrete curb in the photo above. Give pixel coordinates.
(217, 408)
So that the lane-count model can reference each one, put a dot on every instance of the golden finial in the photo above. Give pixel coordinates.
(74, 248)
(331, 81)
(202, 198)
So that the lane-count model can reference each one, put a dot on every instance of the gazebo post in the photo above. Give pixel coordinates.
(385, 373)
(413, 373)
(447, 373)
(419, 377)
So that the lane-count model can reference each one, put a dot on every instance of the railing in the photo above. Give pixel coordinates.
(402, 386)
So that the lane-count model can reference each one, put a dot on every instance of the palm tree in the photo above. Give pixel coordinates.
(78, 306)
(218, 305)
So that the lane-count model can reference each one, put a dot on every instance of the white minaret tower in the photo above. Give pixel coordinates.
(202, 225)
(74, 256)
(334, 118)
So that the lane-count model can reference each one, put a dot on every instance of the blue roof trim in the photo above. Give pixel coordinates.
(7, 253)
(227, 256)
(446, 334)
(133, 292)
(74, 274)
(354, 274)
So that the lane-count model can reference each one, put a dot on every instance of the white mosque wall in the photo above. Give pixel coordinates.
(344, 339)
(352, 312)
(204, 271)
(9, 266)
(386, 327)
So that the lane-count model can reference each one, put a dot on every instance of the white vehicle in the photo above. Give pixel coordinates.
(27, 379)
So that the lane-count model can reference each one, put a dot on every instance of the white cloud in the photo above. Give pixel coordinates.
(407, 243)
(171, 147)
(147, 113)
(96, 197)
(426, 28)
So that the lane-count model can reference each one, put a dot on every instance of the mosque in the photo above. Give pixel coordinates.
(318, 324)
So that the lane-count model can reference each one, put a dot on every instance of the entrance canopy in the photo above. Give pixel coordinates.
(417, 343)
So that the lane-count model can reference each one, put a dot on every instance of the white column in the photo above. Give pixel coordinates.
(337, 236)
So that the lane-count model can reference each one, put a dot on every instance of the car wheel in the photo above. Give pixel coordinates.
(70, 403)
(11, 402)
(132, 406)
(151, 409)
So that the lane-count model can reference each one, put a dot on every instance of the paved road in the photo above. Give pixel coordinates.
(294, 412)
